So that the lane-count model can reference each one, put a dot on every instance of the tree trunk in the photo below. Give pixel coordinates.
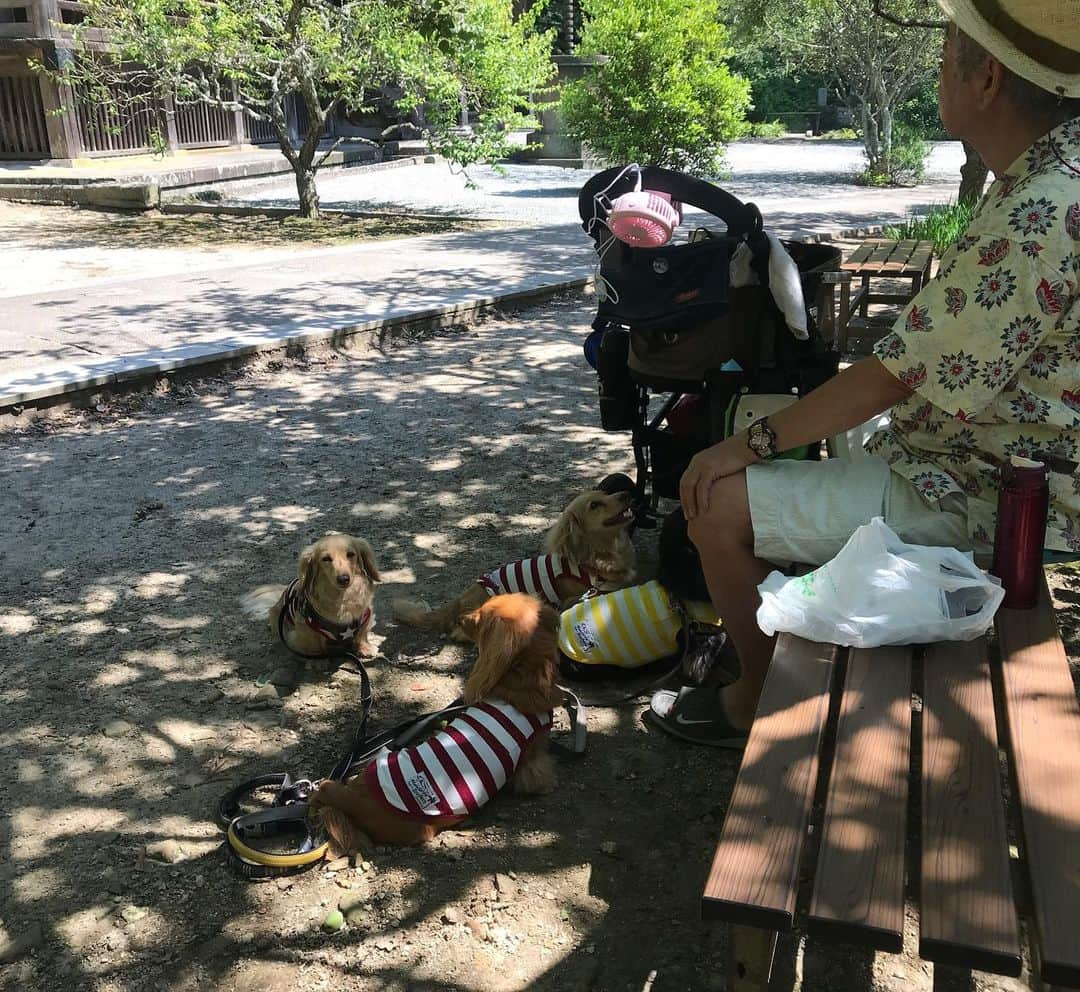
(871, 138)
(886, 113)
(972, 176)
(306, 191)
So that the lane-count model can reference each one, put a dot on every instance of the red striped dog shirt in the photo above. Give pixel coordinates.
(459, 769)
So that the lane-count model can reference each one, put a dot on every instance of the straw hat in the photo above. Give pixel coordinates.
(1039, 40)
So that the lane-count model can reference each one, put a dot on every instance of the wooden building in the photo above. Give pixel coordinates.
(31, 128)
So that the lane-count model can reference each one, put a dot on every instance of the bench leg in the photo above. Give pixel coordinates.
(750, 958)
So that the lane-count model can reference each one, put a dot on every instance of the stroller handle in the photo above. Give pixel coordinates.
(741, 218)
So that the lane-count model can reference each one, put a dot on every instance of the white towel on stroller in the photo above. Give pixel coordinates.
(784, 282)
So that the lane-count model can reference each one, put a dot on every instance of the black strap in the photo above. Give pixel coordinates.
(741, 218)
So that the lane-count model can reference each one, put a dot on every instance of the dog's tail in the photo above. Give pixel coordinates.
(257, 602)
(416, 613)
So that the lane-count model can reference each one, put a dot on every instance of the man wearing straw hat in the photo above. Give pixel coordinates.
(983, 364)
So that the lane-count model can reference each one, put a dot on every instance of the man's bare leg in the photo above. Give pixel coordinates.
(724, 538)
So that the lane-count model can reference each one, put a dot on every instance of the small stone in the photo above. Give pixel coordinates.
(343, 881)
(165, 850)
(505, 886)
(133, 914)
(451, 915)
(283, 678)
(352, 900)
(386, 944)
(117, 728)
(366, 866)
(479, 930)
(284, 884)
(334, 921)
(266, 698)
(209, 697)
(609, 847)
(117, 941)
(338, 864)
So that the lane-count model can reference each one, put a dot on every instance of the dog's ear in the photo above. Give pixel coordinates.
(367, 558)
(305, 568)
(567, 536)
(500, 640)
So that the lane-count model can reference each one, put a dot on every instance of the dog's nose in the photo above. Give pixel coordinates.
(343, 579)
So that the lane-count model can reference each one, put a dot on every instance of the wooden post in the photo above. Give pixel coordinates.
(61, 114)
(168, 111)
(238, 135)
(750, 958)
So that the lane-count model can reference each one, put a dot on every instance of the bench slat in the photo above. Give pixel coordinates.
(968, 917)
(755, 872)
(1043, 720)
(859, 885)
(857, 257)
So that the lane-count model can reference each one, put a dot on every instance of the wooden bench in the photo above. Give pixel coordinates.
(877, 258)
(839, 813)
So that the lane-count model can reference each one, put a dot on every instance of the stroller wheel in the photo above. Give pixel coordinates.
(617, 483)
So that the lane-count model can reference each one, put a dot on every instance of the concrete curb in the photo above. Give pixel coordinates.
(68, 382)
(280, 213)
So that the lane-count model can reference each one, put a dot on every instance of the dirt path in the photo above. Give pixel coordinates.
(130, 697)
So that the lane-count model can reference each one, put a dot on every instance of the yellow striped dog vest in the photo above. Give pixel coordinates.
(629, 627)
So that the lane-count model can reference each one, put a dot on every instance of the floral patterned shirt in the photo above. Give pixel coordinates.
(991, 348)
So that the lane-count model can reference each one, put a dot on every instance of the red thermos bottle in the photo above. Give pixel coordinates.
(1023, 500)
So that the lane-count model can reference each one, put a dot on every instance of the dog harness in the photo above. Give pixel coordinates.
(296, 609)
(629, 627)
(459, 769)
(535, 576)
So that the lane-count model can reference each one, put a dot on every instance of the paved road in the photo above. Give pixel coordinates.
(117, 324)
(800, 187)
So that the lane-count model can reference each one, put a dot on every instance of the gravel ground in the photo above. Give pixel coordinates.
(797, 185)
(132, 695)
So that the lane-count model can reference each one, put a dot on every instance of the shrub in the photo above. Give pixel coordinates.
(903, 165)
(943, 224)
(768, 129)
(666, 95)
(842, 134)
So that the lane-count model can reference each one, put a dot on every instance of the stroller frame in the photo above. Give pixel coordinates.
(769, 359)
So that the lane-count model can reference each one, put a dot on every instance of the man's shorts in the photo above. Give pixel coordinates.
(805, 511)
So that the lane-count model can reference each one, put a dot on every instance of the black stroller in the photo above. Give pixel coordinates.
(669, 322)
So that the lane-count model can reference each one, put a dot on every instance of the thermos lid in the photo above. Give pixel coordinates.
(1023, 473)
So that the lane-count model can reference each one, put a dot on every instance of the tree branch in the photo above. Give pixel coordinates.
(905, 22)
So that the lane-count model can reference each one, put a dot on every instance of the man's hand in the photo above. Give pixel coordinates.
(723, 459)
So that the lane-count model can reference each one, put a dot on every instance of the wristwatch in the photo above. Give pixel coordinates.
(761, 438)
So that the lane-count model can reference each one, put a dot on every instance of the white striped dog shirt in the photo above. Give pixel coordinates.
(535, 576)
(459, 769)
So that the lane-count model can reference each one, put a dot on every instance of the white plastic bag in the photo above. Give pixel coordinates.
(879, 590)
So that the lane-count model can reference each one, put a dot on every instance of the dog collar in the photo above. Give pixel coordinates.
(297, 607)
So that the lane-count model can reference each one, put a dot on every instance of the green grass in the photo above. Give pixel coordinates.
(943, 224)
(842, 134)
(767, 129)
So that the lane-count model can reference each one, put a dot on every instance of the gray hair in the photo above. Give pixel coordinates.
(1025, 96)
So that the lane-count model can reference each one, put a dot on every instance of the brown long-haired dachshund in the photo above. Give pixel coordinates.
(588, 546)
(408, 796)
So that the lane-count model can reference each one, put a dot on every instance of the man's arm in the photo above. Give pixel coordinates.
(860, 392)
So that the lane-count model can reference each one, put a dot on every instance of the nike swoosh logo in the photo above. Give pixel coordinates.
(686, 723)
